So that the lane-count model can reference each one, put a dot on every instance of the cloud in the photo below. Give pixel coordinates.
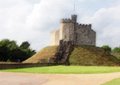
(45, 17)
(106, 23)
(33, 20)
(13, 15)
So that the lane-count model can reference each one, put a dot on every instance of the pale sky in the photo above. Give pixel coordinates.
(33, 20)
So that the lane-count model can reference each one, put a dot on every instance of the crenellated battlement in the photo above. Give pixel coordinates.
(73, 19)
(85, 25)
(71, 30)
(66, 20)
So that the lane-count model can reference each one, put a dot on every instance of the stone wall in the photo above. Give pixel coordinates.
(55, 37)
(25, 65)
(67, 31)
(70, 30)
(85, 35)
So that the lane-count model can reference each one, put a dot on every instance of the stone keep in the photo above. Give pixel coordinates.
(70, 30)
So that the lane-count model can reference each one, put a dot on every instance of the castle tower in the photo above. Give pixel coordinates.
(55, 37)
(74, 18)
(67, 28)
(71, 30)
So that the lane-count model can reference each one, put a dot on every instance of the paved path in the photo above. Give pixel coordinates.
(55, 79)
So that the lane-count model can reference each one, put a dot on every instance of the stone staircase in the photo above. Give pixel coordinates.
(64, 50)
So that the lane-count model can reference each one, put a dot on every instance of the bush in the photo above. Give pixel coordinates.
(116, 50)
(107, 48)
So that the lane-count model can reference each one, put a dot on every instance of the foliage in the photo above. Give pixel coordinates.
(25, 45)
(116, 50)
(10, 51)
(67, 69)
(107, 48)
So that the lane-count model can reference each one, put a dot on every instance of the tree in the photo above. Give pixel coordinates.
(4, 51)
(25, 45)
(116, 50)
(107, 48)
(9, 50)
(12, 45)
(4, 42)
(22, 53)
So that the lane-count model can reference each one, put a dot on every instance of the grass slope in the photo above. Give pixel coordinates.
(66, 69)
(113, 82)
(90, 55)
(45, 53)
(117, 55)
(81, 55)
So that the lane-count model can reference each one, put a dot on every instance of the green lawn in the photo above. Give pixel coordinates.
(66, 69)
(113, 82)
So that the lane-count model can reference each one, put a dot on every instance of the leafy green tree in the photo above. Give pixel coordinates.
(116, 50)
(107, 48)
(4, 51)
(22, 52)
(12, 45)
(4, 42)
(9, 44)
(25, 45)
(9, 50)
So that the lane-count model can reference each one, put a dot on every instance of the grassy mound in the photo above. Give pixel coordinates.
(81, 55)
(43, 55)
(117, 55)
(90, 55)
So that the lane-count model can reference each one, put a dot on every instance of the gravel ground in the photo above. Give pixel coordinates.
(7, 78)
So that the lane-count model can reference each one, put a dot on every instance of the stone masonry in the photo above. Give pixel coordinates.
(71, 30)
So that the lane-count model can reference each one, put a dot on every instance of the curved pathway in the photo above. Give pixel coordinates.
(7, 78)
